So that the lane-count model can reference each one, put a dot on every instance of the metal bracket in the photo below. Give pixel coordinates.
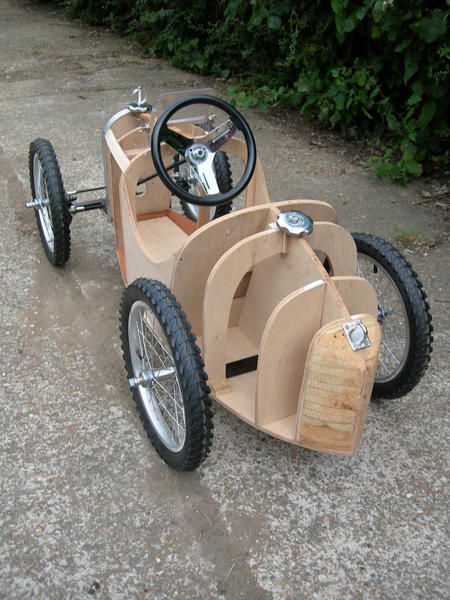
(357, 335)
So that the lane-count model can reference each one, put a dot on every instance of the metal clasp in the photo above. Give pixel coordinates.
(357, 335)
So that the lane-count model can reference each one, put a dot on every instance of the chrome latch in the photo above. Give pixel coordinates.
(294, 223)
(357, 335)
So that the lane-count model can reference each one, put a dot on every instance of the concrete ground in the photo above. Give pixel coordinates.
(87, 507)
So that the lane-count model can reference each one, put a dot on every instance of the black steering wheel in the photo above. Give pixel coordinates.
(199, 152)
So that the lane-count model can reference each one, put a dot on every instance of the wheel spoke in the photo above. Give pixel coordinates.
(151, 357)
(390, 351)
(392, 317)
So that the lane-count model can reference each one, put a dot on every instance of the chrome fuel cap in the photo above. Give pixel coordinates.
(295, 223)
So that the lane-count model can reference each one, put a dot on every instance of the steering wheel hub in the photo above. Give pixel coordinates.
(196, 154)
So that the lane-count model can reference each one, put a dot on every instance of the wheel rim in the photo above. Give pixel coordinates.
(392, 316)
(153, 363)
(43, 212)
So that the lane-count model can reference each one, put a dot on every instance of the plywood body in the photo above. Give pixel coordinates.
(267, 314)
(336, 389)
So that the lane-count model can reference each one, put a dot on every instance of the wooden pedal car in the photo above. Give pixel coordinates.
(296, 321)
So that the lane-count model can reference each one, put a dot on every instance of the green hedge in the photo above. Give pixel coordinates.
(372, 68)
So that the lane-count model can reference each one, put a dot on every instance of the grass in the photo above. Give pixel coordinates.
(412, 238)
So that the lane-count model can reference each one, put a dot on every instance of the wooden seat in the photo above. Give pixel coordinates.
(160, 236)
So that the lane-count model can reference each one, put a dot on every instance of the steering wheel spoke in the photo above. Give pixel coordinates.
(205, 175)
(218, 136)
(175, 140)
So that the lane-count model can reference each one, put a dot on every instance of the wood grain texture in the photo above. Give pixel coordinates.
(273, 280)
(336, 389)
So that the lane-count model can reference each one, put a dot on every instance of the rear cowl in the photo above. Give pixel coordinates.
(336, 388)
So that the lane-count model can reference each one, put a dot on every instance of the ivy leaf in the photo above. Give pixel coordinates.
(360, 77)
(430, 28)
(411, 66)
(392, 123)
(403, 45)
(302, 85)
(412, 166)
(428, 112)
(416, 96)
(414, 99)
(349, 24)
(274, 22)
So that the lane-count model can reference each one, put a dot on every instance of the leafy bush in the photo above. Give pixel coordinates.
(372, 68)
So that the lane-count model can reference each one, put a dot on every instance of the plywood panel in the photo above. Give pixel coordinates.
(317, 210)
(284, 348)
(156, 196)
(220, 289)
(202, 250)
(337, 244)
(161, 236)
(116, 151)
(273, 280)
(358, 295)
(238, 396)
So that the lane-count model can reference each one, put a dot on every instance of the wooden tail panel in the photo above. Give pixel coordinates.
(336, 389)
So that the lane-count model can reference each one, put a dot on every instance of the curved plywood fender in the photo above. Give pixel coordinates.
(358, 294)
(283, 351)
(337, 244)
(220, 287)
(317, 210)
(201, 252)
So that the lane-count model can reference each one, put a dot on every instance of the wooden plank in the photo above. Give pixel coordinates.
(238, 395)
(183, 222)
(358, 294)
(156, 196)
(204, 215)
(256, 191)
(160, 236)
(157, 214)
(115, 149)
